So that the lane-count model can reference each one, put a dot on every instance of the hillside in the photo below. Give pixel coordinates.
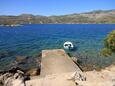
(98, 16)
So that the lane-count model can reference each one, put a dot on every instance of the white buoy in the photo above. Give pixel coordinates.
(68, 45)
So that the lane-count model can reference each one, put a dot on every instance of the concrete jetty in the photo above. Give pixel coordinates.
(57, 61)
(56, 68)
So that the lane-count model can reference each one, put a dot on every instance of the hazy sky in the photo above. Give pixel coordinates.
(53, 7)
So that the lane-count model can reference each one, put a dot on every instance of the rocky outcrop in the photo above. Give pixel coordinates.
(12, 77)
(20, 70)
(30, 65)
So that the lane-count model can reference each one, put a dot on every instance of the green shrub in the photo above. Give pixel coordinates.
(110, 41)
(105, 52)
(109, 44)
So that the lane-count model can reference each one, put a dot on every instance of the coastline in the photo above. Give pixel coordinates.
(12, 25)
(33, 77)
(105, 77)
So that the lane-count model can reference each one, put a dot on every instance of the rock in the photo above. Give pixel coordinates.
(13, 77)
(31, 65)
(27, 64)
(18, 71)
(4, 77)
(33, 72)
(22, 59)
(78, 76)
(4, 54)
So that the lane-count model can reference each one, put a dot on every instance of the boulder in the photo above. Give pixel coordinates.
(33, 72)
(13, 77)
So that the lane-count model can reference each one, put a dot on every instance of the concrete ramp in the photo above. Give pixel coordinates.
(57, 61)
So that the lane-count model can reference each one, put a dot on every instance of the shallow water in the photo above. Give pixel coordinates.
(31, 39)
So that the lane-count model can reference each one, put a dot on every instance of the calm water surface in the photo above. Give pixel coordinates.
(31, 39)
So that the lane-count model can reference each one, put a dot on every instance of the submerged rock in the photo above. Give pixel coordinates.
(30, 65)
(22, 59)
(33, 72)
(25, 63)
(6, 53)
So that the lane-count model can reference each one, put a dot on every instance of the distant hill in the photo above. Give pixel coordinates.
(97, 16)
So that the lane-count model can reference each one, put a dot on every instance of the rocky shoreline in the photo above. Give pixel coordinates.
(8, 78)
(20, 70)
(17, 76)
(23, 72)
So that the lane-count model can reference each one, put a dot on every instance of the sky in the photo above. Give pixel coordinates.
(53, 7)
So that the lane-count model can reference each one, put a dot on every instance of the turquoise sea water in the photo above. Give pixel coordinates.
(31, 39)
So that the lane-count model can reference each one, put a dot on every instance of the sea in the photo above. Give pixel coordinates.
(31, 39)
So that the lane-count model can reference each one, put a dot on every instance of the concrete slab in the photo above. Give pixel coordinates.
(52, 80)
(57, 61)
